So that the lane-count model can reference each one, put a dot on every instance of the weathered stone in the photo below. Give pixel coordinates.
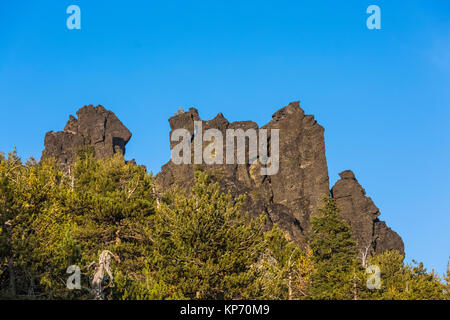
(361, 213)
(386, 239)
(95, 127)
(302, 181)
(289, 197)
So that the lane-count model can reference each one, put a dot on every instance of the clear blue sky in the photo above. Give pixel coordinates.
(383, 96)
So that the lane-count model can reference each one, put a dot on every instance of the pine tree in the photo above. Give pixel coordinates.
(197, 246)
(405, 282)
(205, 247)
(286, 268)
(58, 219)
(333, 255)
(447, 282)
(393, 277)
(423, 285)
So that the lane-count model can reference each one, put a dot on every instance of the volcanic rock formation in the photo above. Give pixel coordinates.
(95, 127)
(371, 234)
(288, 198)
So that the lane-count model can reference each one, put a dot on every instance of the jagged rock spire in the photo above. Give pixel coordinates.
(371, 234)
(95, 127)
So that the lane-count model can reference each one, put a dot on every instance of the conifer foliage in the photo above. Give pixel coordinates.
(333, 254)
(103, 218)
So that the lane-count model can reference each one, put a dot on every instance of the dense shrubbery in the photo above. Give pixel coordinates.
(200, 246)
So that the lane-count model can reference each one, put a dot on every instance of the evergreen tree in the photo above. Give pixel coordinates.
(333, 255)
(55, 219)
(112, 203)
(447, 283)
(205, 247)
(286, 269)
(33, 222)
(405, 282)
(393, 277)
(196, 246)
(423, 285)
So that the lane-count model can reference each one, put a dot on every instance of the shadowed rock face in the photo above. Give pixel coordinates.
(288, 198)
(302, 181)
(95, 127)
(371, 234)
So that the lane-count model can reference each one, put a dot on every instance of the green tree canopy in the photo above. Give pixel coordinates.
(333, 254)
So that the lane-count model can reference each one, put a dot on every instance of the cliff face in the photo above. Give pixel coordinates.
(288, 198)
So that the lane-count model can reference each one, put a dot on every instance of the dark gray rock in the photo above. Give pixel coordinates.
(371, 234)
(386, 239)
(95, 127)
(289, 197)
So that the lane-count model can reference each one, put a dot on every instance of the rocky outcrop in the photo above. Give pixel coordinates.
(288, 198)
(95, 127)
(386, 239)
(371, 234)
(302, 181)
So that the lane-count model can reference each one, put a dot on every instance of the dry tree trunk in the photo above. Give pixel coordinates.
(103, 266)
(158, 203)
